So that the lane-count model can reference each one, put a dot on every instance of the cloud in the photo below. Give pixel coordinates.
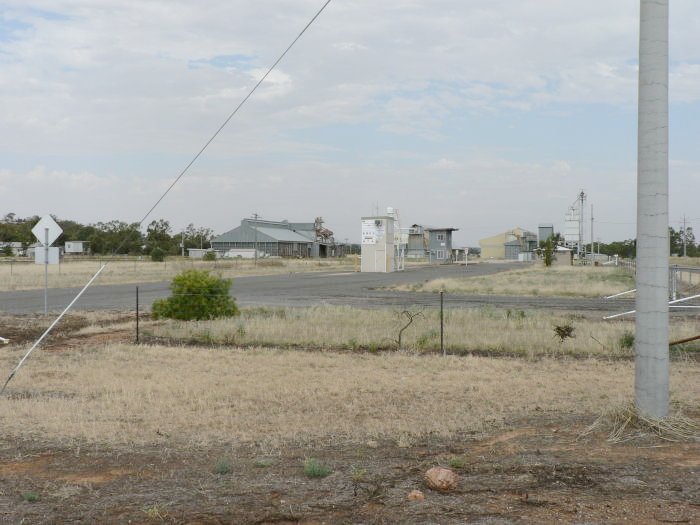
(370, 97)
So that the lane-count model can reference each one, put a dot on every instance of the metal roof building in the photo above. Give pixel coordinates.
(278, 238)
(508, 245)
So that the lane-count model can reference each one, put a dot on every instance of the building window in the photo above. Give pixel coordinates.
(441, 254)
(440, 236)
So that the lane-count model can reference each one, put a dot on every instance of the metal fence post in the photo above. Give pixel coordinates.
(137, 314)
(442, 324)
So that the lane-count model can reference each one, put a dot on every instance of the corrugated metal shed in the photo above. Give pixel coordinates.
(282, 235)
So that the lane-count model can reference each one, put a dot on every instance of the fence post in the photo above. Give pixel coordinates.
(137, 314)
(442, 324)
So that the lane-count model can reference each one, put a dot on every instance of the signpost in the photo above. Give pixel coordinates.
(46, 232)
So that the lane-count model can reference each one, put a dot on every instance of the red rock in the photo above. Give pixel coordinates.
(416, 495)
(442, 479)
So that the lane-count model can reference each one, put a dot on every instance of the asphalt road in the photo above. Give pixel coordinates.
(312, 289)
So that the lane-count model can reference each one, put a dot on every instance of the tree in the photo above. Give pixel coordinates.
(548, 252)
(675, 241)
(157, 254)
(196, 295)
(158, 235)
(197, 237)
(116, 237)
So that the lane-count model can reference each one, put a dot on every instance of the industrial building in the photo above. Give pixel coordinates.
(545, 231)
(509, 245)
(279, 238)
(434, 244)
(418, 242)
(440, 244)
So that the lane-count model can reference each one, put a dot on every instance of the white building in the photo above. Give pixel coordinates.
(77, 247)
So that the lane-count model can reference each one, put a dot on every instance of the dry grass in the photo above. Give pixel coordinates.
(627, 423)
(26, 275)
(526, 333)
(123, 394)
(565, 281)
(685, 261)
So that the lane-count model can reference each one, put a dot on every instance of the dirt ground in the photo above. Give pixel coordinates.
(537, 470)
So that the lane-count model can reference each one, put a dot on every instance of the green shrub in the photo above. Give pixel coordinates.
(313, 468)
(209, 256)
(427, 339)
(223, 466)
(548, 252)
(157, 255)
(457, 463)
(30, 496)
(627, 340)
(196, 295)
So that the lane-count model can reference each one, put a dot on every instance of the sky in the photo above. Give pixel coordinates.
(482, 115)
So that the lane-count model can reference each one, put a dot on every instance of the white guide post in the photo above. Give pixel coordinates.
(651, 340)
(46, 271)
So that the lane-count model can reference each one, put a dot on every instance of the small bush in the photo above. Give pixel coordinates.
(428, 338)
(196, 295)
(313, 468)
(209, 256)
(223, 466)
(154, 512)
(157, 255)
(30, 496)
(564, 331)
(457, 463)
(626, 340)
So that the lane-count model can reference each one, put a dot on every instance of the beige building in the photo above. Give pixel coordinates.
(508, 245)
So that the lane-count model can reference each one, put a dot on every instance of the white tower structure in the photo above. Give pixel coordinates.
(573, 224)
(400, 239)
(651, 341)
(378, 249)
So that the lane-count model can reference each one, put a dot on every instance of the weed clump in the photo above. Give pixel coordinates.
(564, 331)
(30, 496)
(626, 340)
(457, 463)
(223, 466)
(313, 468)
(627, 423)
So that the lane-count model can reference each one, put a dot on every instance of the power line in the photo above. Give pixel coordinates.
(233, 113)
(177, 179)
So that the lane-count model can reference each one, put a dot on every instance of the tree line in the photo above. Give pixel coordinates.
(113, 237)
(627, 249)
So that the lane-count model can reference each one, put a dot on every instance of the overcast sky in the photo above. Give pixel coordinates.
(481, 115)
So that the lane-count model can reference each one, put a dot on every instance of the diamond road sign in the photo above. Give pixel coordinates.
(54, 229)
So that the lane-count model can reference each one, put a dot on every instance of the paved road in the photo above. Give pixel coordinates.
(310, 289)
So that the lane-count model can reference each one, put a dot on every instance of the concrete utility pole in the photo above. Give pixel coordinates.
(651, 340)
(592, 246)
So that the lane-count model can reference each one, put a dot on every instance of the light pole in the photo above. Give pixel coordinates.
(651, 324)
(255, 227)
